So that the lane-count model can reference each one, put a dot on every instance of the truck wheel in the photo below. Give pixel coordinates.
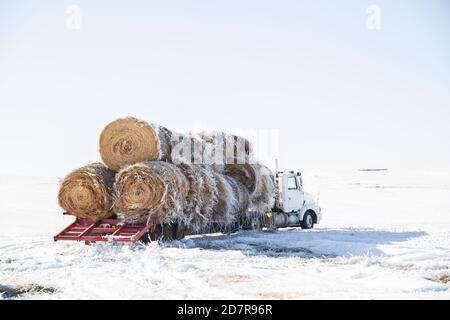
(307, 222)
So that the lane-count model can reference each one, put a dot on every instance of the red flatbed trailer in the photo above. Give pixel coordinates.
(103, 230)
(114, 230)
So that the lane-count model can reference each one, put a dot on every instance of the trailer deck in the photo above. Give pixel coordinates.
(103, 230)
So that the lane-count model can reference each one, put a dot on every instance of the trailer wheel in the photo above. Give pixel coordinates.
(255, 223)
(308, 221)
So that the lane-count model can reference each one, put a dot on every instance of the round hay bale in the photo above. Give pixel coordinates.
(127, 141)
(262, 199)
(87, 192)
(186, 149)
(222, 212)
(232, 200)
(209, 192)
(247, 174)
(259, 181)
(242, 148)
(151, 190)
(213, 148)
(201, 197)
(242, 196)
(193, 198)
(223, 148)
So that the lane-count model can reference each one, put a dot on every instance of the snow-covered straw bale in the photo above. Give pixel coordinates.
(127, 141)
(202, 196)
(259, 181)
(220, 148)
(232, 200)
(193, 195)
(262, 200)
(247, 174)
(151, 190)
(87, 192)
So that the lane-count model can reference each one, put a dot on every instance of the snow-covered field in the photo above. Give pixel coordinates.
(384, 235)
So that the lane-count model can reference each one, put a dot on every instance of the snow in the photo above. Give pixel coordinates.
(384, 235)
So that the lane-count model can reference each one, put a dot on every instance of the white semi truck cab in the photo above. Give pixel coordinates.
(293, 206)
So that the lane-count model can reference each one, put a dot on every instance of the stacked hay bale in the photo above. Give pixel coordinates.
(232, 200)
(87, 192)
(202, 199)
(127, 141)
(151, 190)
(221, 148)
(259, 181)
(152, 174)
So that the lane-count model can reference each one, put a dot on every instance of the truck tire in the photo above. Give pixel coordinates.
(308, 221)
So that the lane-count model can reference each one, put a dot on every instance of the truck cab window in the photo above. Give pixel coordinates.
(292, 183)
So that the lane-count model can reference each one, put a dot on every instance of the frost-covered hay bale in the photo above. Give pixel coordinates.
(213, 148)
(262, 199)
(127, 141)
(151, 190)
(242, 148)
(87, 192)
(232, 200)
(242, 196)
(201, 197)
(223, 148)
(209, 191)
(186, 149)
(247, 174)
(222, 213)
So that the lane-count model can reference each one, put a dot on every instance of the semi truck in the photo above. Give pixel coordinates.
(292, 206)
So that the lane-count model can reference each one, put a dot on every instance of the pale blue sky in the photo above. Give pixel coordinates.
(340, 95)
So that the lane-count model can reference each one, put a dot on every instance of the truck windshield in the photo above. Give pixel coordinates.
(292, 183)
